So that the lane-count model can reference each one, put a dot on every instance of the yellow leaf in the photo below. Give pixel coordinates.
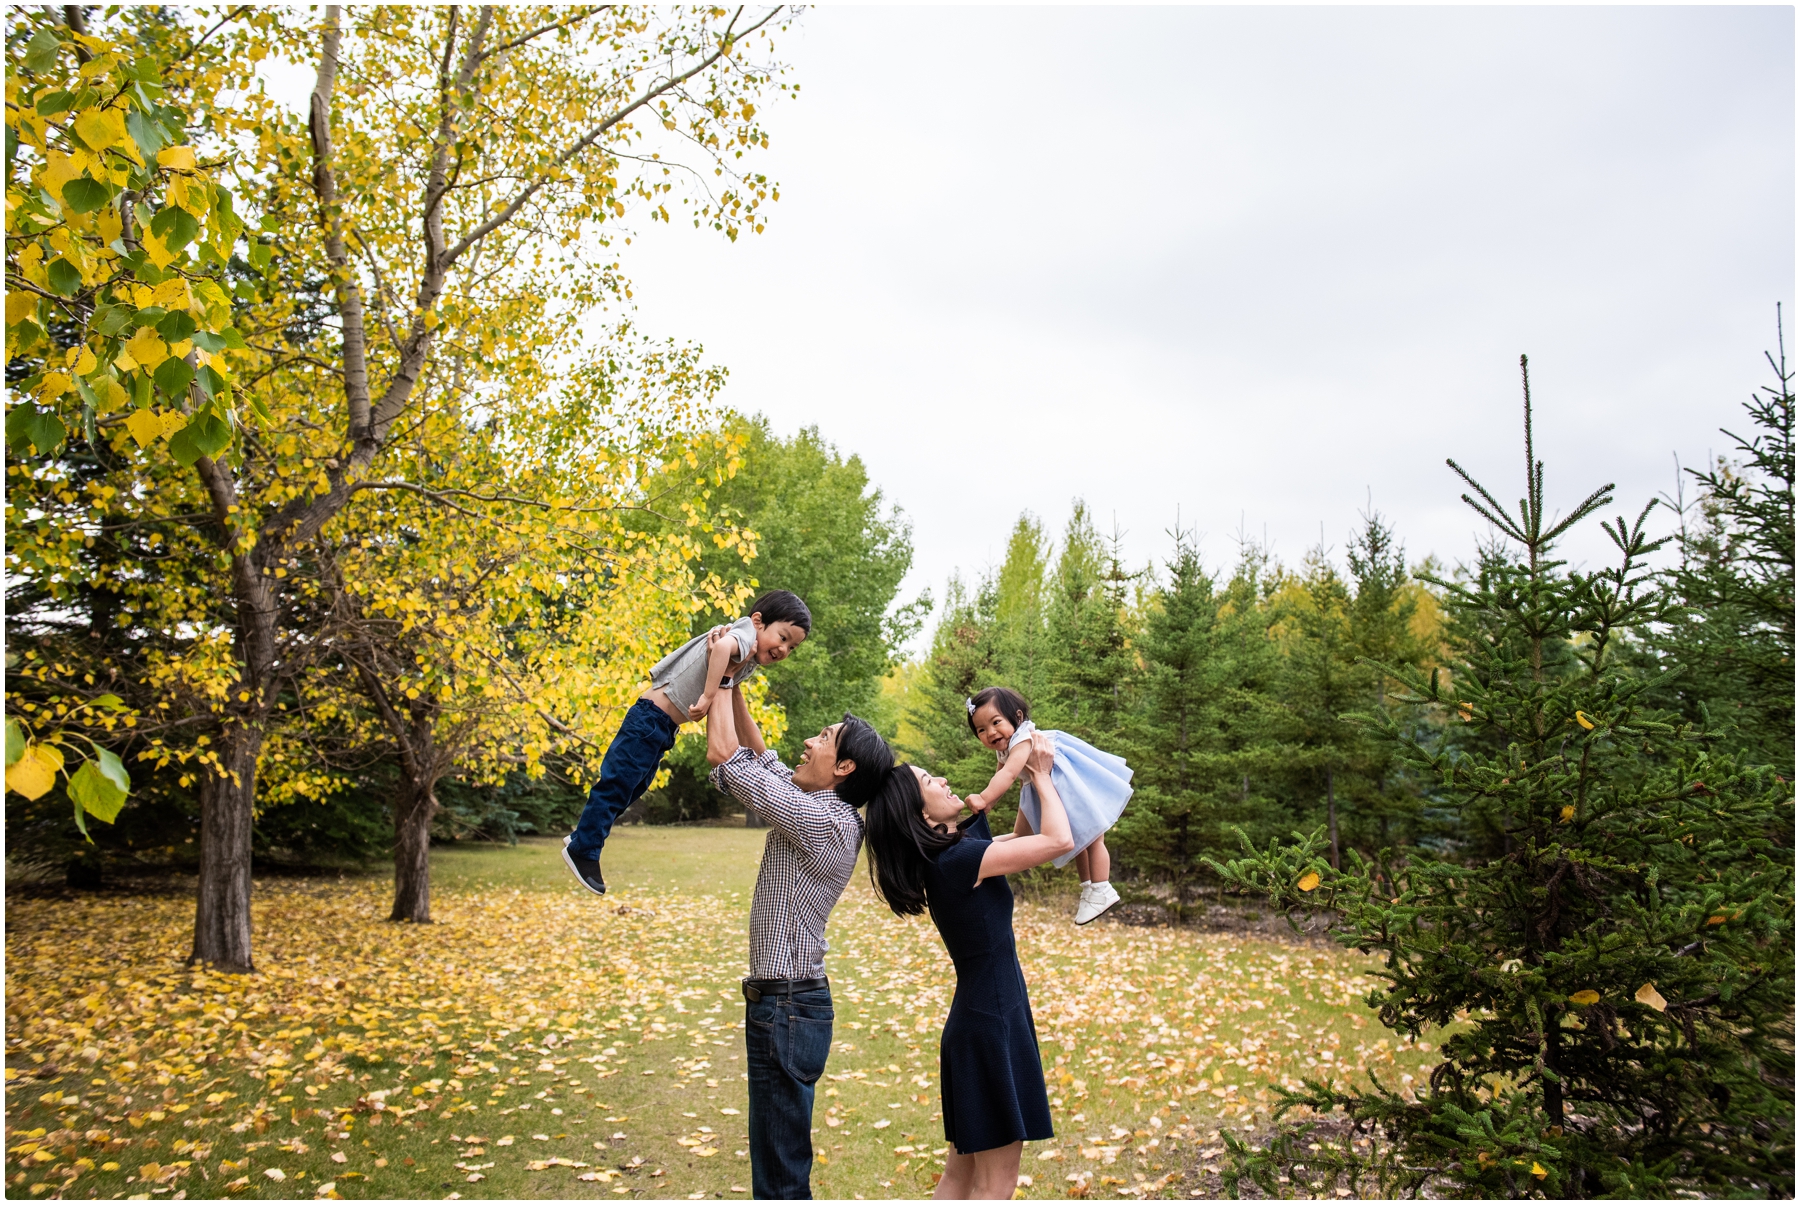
(159, 255)
(179, 158)
(1537, 1169)
(1649, 997)
(1568, 812)
(86, 362)
(54, 385)
(146, 348)
(57, 172)
(20, 306)
(1582, 719)
(100, 128)
(110, 394)
(1308, 881)
(1586, 996)
(35, 772)
(144, 426)
(1717, 920)
(172, 421)
(172, 294)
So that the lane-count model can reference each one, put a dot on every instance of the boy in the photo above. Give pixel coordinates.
(683, 686)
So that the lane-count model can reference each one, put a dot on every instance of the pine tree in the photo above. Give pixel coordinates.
(1619, 974)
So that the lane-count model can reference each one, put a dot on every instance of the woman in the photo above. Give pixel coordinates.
(991, 1080)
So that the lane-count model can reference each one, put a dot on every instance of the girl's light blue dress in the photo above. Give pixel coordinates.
(1093, 783)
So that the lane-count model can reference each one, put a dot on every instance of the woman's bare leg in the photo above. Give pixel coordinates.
(958, 1178)
(983, 1176)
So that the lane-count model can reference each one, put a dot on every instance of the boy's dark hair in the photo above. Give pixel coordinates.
(1009, 703)
(900, 842)
(858, 741)
(782, 606)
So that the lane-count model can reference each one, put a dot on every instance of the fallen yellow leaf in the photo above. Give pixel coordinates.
(1538, 1170)
(1582, 719)
(1649, 997)
(1586, 996)
(1308, 881)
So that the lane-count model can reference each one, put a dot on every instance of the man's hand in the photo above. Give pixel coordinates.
(699, 709)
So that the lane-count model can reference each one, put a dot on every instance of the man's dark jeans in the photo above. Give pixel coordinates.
(786, 1040)
(631, 761)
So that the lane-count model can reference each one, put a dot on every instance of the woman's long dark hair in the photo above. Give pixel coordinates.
(900, 842)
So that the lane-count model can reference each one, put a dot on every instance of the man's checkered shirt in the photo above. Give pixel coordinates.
(807, 860)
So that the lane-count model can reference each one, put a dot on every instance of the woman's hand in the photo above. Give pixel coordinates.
(1041, 758)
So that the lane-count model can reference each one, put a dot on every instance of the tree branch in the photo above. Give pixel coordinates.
(586, 140)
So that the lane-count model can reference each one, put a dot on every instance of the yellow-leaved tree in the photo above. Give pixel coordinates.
(494, 609)
(236, 313)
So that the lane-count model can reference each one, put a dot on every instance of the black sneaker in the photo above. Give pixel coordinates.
(585, 870)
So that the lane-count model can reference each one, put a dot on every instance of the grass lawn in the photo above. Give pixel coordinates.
(541, 1042)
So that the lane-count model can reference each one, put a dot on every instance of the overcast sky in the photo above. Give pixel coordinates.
(1253, 265)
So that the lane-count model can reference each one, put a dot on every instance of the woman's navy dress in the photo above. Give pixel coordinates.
(992, 1078)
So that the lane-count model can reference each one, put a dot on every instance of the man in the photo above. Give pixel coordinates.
(814, 835)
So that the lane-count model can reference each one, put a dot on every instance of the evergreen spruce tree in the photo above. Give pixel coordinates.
(1022, 642)
(1614, 985)
(1206, 724)
(1325, 684)
(1735, 633)
(1080, 568)
(1385, 800)
(964, 658)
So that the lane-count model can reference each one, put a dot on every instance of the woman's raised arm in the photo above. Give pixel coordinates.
(1022, 853)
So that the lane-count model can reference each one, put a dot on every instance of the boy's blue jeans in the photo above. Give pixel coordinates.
(786, 1041)
(631, 761)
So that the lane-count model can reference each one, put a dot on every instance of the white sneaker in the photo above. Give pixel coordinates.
(1095, 901)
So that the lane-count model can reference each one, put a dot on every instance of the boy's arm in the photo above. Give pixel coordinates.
(722, 735)
(1002, 779)
(720, 645)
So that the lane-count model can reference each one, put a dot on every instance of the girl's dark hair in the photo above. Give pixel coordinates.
(1009, 703)
(782, 606)
(900, 842)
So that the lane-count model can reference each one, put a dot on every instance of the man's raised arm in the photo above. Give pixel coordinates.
(749, 735)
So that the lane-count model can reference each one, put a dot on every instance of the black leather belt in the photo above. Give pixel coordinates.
(756, 989)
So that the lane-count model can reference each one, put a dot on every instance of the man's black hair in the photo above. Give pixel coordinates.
(858, 741)
(782, 606)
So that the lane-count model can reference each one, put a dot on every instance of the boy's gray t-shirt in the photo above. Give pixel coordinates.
(682, 674)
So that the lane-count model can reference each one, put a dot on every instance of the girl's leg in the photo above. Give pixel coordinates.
(1082, 869)
(1099, 861)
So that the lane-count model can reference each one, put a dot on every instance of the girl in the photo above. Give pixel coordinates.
(923, 855)
(1094, 787)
